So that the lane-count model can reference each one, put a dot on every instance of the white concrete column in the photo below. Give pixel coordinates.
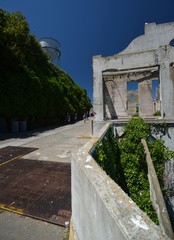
(145, 98)
(121, 97)
(167, 83)
(98, 88)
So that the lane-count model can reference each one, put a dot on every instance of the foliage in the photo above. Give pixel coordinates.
(137, 109)
(159, 129)
(125, 162)
(135, 114)
(157, 113)
(106, 153)
(31, 86)
(66, 234)
(133, 162)
(160, 154)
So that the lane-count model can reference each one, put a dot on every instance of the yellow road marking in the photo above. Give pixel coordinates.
(87, 137)
(10, 160)
(12, 209)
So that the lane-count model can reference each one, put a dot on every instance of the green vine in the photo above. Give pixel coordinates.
(125, 161)
(157, 113)
(159, 129)
(106, 153)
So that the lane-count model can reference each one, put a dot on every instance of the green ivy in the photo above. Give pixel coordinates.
(34, 88)
(124, 161)
(157, 113)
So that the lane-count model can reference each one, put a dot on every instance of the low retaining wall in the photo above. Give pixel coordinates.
(157, 196)
(101, 210)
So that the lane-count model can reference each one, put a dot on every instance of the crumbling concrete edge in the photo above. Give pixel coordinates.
(157, 196)
(100, 208)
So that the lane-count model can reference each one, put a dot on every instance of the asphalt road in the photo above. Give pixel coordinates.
(53, 145)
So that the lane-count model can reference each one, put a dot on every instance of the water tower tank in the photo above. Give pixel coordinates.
(51, 46)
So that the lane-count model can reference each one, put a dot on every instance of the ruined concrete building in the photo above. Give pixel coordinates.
(139, 80)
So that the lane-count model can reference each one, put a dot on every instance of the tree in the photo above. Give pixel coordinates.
(34, 88)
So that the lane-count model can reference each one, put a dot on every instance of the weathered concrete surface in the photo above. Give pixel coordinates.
(54, 145)
(15, 227)
(100, 208)
(148, 57)
(145, 98)
(156, 195)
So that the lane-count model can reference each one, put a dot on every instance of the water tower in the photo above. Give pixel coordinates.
(52, 48)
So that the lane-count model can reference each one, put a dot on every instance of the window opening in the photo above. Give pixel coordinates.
(132, 86)
(155, 89)
(172, 43)
(132, 97)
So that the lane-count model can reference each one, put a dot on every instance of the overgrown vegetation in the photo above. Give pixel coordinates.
(66, 235)
(31, 86)
(124, 161)
(157, 113)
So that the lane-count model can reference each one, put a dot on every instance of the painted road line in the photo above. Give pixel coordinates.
(11, 160)
(12, 209)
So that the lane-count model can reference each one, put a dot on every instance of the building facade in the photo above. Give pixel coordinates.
(147, 64)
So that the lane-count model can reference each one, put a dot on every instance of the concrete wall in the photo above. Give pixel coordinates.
(166, 54)
(151, 40)
(100, 208)
(148, 52)
(168, 138)
(157, 196)
(132, 104)
(168, 135)
(115, 97)
(145, 98)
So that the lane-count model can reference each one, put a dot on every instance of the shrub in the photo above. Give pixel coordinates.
(125, 162)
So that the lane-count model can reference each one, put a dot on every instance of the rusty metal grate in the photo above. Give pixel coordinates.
(10, 153)
(38, 189)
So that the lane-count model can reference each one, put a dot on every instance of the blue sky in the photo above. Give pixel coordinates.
(86, 28)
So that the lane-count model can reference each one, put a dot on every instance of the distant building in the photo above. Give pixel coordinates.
(147, 58)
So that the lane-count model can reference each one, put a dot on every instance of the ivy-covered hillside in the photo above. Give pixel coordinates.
(30, 86)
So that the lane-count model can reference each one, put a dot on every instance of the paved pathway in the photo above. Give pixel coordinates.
(54, 145)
